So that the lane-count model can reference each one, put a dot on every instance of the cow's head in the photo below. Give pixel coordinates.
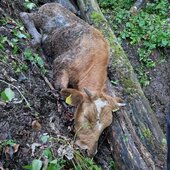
(93, 115)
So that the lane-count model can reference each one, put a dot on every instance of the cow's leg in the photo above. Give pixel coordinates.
(60, 70)
(30, 25)
(61, 79)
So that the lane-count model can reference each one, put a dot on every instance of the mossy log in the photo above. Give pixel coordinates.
(136, 139)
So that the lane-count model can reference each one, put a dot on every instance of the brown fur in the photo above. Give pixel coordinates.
(80, 55)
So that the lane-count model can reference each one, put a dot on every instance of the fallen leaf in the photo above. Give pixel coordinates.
(66, 151)
(36, 125)
(16, 147)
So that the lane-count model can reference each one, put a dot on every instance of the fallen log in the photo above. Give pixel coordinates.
(136, 139)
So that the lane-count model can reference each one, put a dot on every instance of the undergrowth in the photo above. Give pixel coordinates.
(148, 29)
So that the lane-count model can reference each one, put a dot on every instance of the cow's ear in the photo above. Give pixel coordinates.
(73, 97)
(90, 94)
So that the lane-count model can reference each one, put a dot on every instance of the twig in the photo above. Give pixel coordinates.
(49, 84)
(53, 90)
(28, 104)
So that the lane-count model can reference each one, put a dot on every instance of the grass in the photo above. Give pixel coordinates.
(148, 29)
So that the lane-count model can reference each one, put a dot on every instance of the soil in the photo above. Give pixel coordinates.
(48, 114)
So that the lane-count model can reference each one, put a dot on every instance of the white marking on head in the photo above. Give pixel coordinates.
(100, 104)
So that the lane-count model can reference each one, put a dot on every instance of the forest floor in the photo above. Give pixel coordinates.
(33, 121)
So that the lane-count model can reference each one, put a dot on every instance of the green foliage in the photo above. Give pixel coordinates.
(78, 162)
(147, 133)
(56, 164)
(2, 42)
(160, 7)
(44, 138)
(47, 152)
(143, 76)
(34, 59)
(53, 163)
(9, 142)
(112, 4)
(36, 164)
(114, 82)
(149, 28)
(7, 95)
(97, 17)
(29, 5)
(112, 165)
(84, 163)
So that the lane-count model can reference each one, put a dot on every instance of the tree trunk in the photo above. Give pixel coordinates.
(136, 139)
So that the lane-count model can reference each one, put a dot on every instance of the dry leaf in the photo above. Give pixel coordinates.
(36, 125)
(16, 147)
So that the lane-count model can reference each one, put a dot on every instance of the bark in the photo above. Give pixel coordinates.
(137, 5)
(136, 138)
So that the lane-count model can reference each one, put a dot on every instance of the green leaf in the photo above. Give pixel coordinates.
(28, 54)
(29, 5)
(164, 43)
(36, 164)
(44, 138)
(28, 167)
(55, 161)
(38, 60)
(20, 35)
(7, 94)
(10, 142)
(47, 152)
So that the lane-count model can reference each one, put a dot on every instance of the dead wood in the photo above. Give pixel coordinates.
(137, 6)
(136, 138)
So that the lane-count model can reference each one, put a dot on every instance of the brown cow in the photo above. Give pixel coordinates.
(80, 55)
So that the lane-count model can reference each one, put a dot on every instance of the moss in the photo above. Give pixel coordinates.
(97, 17)
(147, 133)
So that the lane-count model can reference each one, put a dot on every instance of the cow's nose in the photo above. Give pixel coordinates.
(92, 151)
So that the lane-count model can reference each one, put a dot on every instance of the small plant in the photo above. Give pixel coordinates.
(112, 165)
(34, 59)
(66, 157)
(148, 29)
(8, 142)
(147, 133)
(143, 76)
(53, 164)
(29, 5)
(3, 40)
(7, 94)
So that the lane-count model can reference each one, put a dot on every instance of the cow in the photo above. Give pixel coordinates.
(80, 56)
